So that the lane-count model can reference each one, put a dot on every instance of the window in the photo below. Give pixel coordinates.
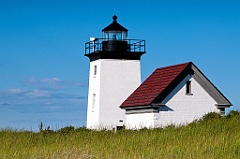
(93, 102)
(95, 70)
(188, 87)
(222, 111)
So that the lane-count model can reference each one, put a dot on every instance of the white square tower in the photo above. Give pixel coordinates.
(114, 74)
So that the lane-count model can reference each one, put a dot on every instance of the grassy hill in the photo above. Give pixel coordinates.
(213, 136)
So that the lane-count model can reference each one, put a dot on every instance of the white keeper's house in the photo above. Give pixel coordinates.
(176, 94)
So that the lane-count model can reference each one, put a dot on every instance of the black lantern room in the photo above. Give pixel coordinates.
(114, 31)
(114, 44)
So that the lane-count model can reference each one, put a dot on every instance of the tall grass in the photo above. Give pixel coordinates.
(212, 137)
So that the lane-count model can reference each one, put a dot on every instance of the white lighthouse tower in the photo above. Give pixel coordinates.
(114, 75)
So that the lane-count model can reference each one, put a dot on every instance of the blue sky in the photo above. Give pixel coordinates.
(43, 70)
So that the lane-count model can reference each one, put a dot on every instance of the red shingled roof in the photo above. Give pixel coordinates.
(158, 82)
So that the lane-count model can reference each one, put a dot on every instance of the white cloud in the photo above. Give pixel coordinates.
(2, 103)
(55, 107)
(46, 91)
(15, 91)
(48, 103)
(53, 83)
(38, 94)
(35, 80)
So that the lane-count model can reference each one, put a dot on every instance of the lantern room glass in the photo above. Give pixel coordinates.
(114, 35)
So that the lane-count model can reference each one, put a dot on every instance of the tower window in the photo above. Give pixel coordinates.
(95, 70)
(188, 87)
(93, 102)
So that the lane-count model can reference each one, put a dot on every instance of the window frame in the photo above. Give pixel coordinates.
(94, 70)
(93, 102)
(189, 87)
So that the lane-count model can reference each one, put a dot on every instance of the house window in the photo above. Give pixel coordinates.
(93, 102)
(95, 70)
(188, 87)
(222, 111)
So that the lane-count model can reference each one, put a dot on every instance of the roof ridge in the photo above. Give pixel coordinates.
(175, 65)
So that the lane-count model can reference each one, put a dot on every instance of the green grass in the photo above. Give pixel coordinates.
(213, 137)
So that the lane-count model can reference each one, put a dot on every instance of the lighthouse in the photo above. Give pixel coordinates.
(114, 74)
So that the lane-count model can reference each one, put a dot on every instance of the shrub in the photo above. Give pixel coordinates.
(211, 116)
(66, 129)
(233, 113)
(82, 129)
(46, 130)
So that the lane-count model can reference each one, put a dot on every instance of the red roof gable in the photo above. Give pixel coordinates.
(158, 82)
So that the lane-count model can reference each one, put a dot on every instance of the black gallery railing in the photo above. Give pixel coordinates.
(108, 45)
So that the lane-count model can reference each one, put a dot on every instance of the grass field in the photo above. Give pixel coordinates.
(212, 137)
